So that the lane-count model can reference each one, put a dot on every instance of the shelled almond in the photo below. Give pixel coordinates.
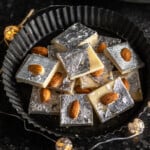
(56, 80)
(36, 69)
(126, 54)
(45, 94)
(40, 50)
(74, 109)
(97, 73)
(101, 47)
(109, 98)
(126, 83)
(79, 90)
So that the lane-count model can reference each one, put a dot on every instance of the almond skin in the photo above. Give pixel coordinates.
(79, 90)
(74, 109)
(109, 98)
(45, 94)
(56, 80)
(36, 69)
(101, 47)
(97, 73)
(40, 50)
(126, 54)
(126, 83)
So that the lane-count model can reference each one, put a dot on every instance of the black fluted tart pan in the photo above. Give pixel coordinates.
(39, 30)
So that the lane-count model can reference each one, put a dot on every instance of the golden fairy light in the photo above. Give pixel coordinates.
(64, 144)
(12, 30)
(136, 127)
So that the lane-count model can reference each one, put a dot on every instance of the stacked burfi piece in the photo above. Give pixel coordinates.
(80, 71)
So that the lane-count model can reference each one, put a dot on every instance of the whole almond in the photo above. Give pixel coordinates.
(74, 109)
(109, 98)
(36, 69)
(79, 90)
(40, 50)
(101, 47)
(45, 94)
(98, 73)
(126, 83)
(126, 54)
(56, 80)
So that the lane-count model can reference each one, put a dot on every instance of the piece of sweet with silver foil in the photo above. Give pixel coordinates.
(123, 57)
(75, 35)
(81, 61)
(133, 79)
(52, 52)
(108, 66)
(110, 41)
(36, 70)
(104, 42)
(50, 107)
(85, 112)
(67, 85)
(107, 75)
(111, 106)
(61, 82)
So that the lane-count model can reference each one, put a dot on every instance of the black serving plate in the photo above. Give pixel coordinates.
(39, 30)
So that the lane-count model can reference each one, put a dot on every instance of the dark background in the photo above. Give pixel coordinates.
(12, 133)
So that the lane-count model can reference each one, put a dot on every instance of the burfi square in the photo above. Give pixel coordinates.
(135, 88)
(89, 81)
(75, 35)
(114, 54)
(107, 75)
(108, 66)
(85, 116)
(52, 52)
(36, 106)
(81, 61)
(123, 103)
(66, 85)
(109, 41)
(24, 75)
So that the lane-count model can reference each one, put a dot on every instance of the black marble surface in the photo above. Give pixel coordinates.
(13, 136)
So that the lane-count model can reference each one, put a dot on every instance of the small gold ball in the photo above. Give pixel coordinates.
(136, 127)
(10, 32)
(148, 104)
(64, 144)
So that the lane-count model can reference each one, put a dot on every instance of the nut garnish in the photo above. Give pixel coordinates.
(45, 94)
(98, 73)
(36, 69)
(40, 50)
(126, 83)
(109, 98)
(126, 54)
(56, 80)
(102, 46)
(74, 109)
(79, 90)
